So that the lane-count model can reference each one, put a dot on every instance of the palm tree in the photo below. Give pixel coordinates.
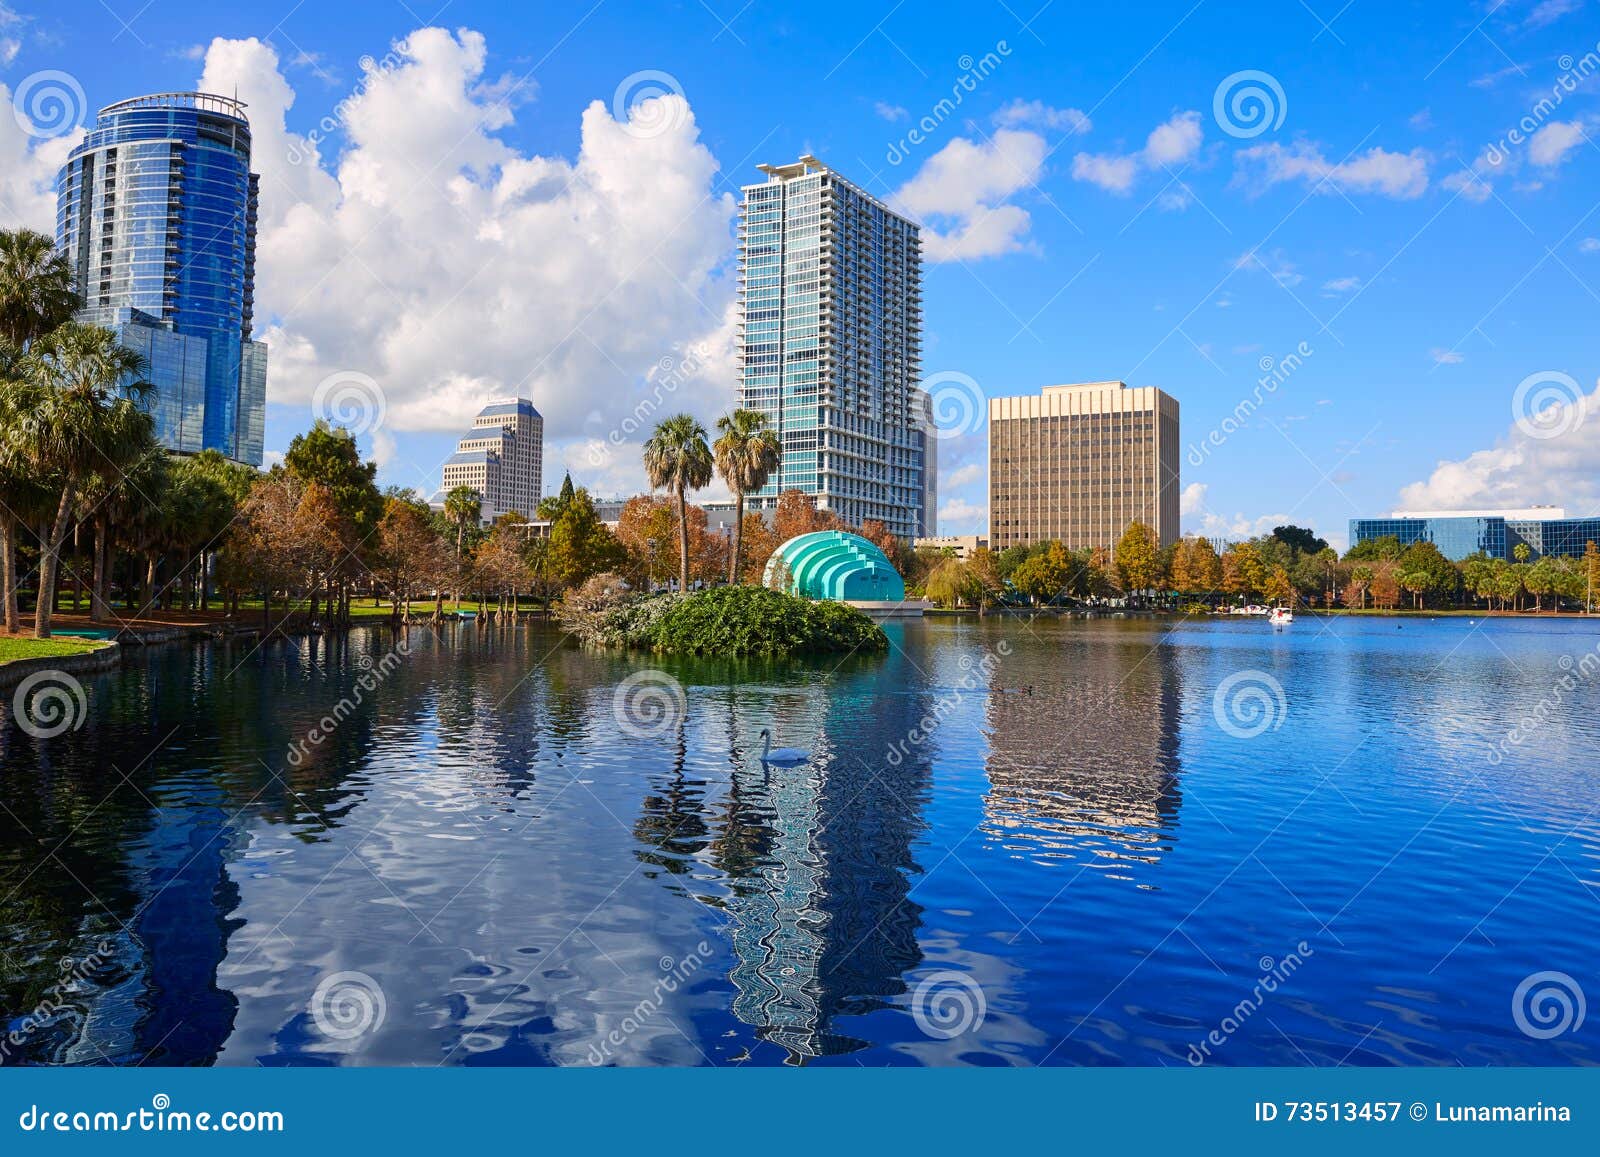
(78, 400)
(36, 296)
(747, 453)
(677, 456)
(36, 293)
(463, 507)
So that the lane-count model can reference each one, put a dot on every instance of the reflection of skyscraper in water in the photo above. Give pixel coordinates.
(834, 931)
(1086, 766)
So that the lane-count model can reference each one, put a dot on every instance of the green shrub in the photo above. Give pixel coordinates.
(734, 620)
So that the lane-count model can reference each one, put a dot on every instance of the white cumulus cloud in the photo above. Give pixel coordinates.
(1403, 176)
(451, 267)
(1173, 142)
(1521, 469)
(1551, 144)
(1041, 115)
(960, 195)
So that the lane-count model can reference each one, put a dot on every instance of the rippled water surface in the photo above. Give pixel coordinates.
(1016, 843)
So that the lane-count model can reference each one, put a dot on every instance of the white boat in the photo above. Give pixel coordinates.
(1252, 609)
(1281, 616)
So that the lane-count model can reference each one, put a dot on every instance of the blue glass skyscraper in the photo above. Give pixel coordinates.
(156, 211)
(830, 348)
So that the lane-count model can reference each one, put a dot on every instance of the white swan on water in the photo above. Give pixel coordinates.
(781, 756)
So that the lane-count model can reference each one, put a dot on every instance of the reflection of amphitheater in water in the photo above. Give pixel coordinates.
(1085, 767)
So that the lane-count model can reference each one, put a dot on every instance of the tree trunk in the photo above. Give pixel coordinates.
(738, 537)
(683, 542)
(50, 563)
(8, 570)
(99, 607)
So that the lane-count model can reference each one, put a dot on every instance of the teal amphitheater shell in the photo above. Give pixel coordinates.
(831, 564)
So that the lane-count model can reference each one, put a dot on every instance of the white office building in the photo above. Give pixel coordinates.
(501, 457)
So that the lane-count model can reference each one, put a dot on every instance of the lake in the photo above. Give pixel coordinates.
(1361, 841)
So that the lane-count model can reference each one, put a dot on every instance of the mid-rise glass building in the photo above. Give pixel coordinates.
(1544, 530)
(830, 293)
(156, 212)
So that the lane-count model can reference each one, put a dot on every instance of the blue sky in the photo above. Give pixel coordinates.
(1099, 214)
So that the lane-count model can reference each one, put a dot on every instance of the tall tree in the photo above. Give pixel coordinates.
(36, 293)
(677, 456)
(76, 408)
(1138, 559)
(327, 457)
(747, 453)
(1279, 590)
(1299, 539)
(463, 507)
(36, 296)
(796, 513)
(580, 544)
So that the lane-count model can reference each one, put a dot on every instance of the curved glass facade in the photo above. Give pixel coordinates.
(156, 211)
(833, 564)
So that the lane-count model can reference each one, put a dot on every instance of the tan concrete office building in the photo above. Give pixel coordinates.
(1079, 462)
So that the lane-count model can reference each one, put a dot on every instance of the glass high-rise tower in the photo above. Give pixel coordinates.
(156, 211)
(830, 293)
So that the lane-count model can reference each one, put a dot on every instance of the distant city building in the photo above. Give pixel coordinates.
(501, 457)
(962, 544)
(1544, 530)
(830, 295)
(156, 213)
(720, 516)
(1078, 463)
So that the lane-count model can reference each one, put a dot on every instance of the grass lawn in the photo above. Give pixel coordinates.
(14, 647)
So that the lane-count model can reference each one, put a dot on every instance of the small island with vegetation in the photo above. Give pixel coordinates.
(726, 620)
